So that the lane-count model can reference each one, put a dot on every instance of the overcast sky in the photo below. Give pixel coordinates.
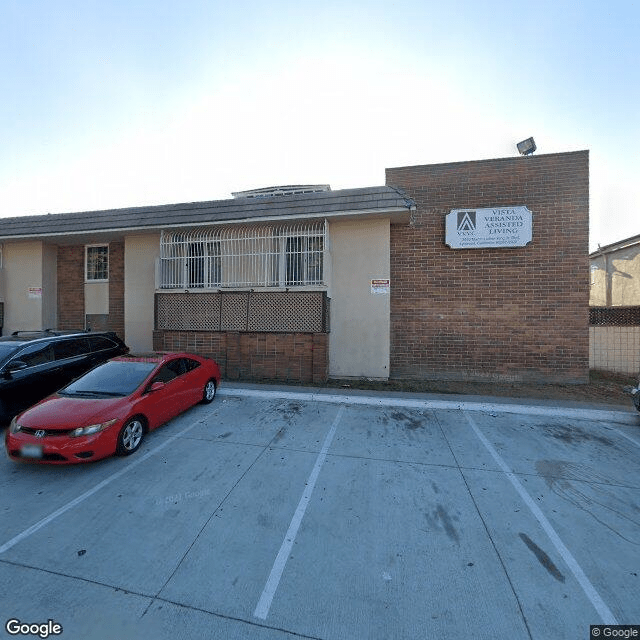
(115, 103)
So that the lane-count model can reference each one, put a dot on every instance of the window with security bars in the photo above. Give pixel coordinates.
(304, 257)
(264, 256)
(97, 263)
(203, 265)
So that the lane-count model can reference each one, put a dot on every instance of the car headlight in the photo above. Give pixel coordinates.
(93, 428)
(14, 427)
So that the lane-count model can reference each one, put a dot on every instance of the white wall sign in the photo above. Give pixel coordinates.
(488, 228)
(380, 287)
(34, 293)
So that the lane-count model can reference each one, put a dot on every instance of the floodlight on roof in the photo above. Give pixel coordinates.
(526, 147)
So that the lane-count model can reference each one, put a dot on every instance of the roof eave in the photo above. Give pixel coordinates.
(616, 246)
(397, 215)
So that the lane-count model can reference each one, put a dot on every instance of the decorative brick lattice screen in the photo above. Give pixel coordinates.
(614, 316)
(282, 312)
(183, 311)
(285, 312)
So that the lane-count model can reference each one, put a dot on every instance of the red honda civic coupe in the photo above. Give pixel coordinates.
(110, 409)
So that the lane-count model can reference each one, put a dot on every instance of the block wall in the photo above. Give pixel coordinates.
(518, 314)
(287, 357)
(615, 349)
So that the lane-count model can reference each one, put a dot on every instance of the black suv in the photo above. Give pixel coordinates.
(34, 364)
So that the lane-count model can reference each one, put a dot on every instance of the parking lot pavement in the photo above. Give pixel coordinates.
(281, 513)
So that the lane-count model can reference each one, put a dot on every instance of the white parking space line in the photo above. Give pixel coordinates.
(622, 417)
(264, 604)
(594, 597)
(87, 494)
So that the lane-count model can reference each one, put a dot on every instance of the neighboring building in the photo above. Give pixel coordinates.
(615, 274)
(303, 283)
(614, 334)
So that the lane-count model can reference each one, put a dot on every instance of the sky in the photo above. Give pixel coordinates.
(118, 103)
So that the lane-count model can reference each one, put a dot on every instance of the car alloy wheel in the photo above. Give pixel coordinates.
(130, 437)
(209, 393)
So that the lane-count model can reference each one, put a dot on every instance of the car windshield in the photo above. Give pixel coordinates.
(114, 378)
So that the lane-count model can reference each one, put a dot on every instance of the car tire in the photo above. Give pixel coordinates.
(209, 392)
(130, 437)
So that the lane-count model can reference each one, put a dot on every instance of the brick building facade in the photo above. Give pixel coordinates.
(304, 283)
(516, 314)
(72, 314)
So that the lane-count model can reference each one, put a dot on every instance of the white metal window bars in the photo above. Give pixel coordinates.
(97, 262)
(237, 257)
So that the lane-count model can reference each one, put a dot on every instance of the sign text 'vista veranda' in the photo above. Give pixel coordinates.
(488, 228)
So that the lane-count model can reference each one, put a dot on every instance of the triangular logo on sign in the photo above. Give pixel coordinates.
(466, 220)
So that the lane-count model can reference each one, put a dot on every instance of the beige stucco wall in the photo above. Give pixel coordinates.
(49, 286)
(619, 273)
(359, 338)
(140, 255)
(2, 284)
(24, 264)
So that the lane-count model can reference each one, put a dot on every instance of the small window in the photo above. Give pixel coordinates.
(97, 263)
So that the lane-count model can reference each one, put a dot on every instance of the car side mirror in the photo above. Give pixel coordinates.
(156, 386)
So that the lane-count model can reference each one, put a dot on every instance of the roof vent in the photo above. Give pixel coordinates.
(287, 190)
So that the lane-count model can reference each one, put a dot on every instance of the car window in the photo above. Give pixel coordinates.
(70, 348)
(190, 364)
(170, 370)
(6, 349)
(100, 343)
(35, 354)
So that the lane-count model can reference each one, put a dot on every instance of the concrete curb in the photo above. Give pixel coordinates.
(576, 413)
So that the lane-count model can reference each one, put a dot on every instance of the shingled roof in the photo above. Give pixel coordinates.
(298, 206)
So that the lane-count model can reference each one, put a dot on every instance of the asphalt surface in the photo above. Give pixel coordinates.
(293, 513)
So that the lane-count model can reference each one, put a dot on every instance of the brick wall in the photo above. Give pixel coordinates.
(288, 357)
(115, 321)
(516, 314)
(71, 311)
(71, 288)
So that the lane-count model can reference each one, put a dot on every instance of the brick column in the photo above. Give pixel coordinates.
(116, 288)
(71, 288)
